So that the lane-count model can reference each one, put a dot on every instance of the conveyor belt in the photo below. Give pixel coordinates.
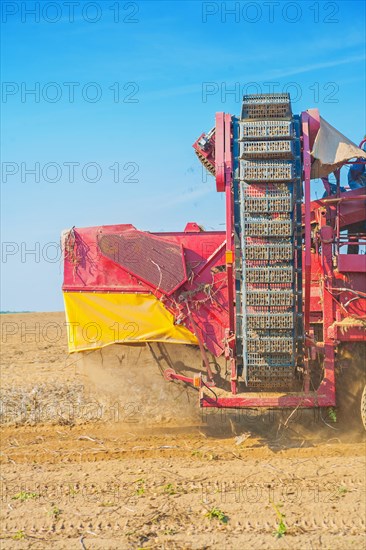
(267, 181)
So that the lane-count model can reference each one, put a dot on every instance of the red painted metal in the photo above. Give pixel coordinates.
(328, 383)
(230, 252)
(348, 333)
(229, 221)
(204, 147)
(170, 374)
(306, 156)
(307, 226)
(192, 227)
(220, 152)
(352, 263)
(352, 208)
(322, 398)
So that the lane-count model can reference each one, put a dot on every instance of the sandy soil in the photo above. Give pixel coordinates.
(147, 469)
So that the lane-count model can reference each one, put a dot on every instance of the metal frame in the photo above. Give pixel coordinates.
(321, 278)
(325, 395)
(224, 183)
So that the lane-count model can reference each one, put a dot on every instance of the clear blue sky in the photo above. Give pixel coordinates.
(163, 53)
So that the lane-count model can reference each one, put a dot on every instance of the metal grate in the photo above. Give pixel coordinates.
(273, 377)
(269, 252)
(276, 274)
(258, 298)
(266, 106)
(259, 321)
(259, 227)
(269, 360)
(271, 344)
(279, 149)
(157, 262)
(266, 189)
(276, 170)
(266, 129)
(281, 203)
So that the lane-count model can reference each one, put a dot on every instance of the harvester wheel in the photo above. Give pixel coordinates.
(350, 384)
(363, 407)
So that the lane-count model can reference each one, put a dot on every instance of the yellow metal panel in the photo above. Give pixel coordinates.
(98, 319)
(229, 256)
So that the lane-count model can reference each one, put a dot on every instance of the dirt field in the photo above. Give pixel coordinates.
(82, 470)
